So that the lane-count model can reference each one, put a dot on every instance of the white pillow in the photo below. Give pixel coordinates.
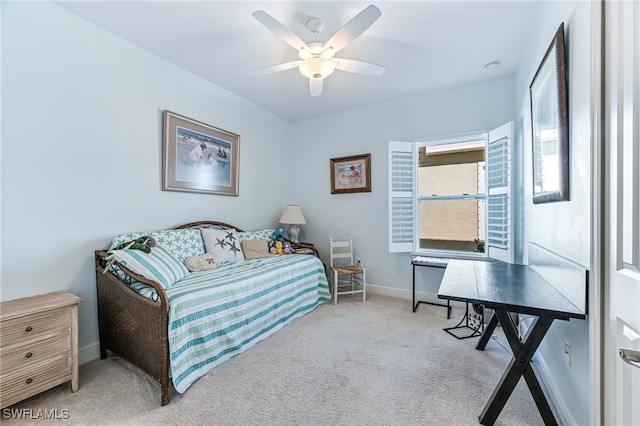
(223, 244)
(159, 265)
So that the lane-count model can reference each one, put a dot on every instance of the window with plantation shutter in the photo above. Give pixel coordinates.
(499, 242)
(401, 200)
(452, 196)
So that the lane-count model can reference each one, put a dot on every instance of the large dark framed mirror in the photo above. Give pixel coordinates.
(549, 129)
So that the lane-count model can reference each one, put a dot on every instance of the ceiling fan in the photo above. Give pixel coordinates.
(316, 60)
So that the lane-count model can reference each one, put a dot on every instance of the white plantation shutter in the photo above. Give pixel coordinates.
(401, 196)
(500, 226)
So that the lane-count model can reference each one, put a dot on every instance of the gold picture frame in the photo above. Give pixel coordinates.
(199, 157)
(351, 174)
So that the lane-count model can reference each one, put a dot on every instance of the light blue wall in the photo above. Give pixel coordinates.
(81, 154)
(563, 227)
(82, 151)
(81, 160)
(364, 216)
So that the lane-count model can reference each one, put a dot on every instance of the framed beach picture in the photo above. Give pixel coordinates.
(351, 174)
(199, 157)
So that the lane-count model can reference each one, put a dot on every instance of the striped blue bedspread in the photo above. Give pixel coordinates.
(215, 315)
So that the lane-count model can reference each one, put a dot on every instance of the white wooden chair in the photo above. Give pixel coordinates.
(346, 277)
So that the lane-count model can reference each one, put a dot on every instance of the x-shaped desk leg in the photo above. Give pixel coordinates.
(518, 367)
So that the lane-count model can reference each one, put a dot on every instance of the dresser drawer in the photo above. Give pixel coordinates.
(30, 354)
(27, 382)
(34, 326)
(38, 345)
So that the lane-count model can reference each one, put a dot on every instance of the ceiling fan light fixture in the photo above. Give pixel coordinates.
(304, 54)
(328, 53)
(317, 68)
(317, 60)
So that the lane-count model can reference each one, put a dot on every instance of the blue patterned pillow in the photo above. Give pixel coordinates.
(158, 265)
(263, 234)
(126, 237)
(182, 243)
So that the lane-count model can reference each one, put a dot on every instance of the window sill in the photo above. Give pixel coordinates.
(450, 254)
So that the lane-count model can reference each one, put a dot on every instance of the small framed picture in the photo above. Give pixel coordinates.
(199, 157)
(351, 174)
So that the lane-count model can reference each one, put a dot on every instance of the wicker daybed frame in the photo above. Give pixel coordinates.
(135, 327)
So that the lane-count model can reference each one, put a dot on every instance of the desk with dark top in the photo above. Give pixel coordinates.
(508, 288)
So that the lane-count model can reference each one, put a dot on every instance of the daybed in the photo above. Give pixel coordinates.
(185, 329)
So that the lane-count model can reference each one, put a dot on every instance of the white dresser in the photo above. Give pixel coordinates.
(38, 345)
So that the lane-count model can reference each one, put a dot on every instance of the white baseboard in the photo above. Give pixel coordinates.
(388, 291)
(88, 353)
(407, 295)
(548, 383)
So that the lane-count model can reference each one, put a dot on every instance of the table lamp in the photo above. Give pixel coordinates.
(293, 216)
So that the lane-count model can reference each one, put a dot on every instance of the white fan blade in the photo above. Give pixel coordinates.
(353, 29)
(358, 67)
(315, 86)
(280, 30)
(275, 68)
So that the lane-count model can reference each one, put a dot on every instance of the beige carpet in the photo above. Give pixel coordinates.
(353, 364)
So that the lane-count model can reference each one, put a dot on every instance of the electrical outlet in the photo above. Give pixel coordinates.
(567, 352)
(358, 262)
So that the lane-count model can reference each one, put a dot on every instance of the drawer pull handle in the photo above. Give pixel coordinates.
(29, 380)
(29, 354)
(28, 329)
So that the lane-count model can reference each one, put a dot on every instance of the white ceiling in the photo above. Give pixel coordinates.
(424, 45)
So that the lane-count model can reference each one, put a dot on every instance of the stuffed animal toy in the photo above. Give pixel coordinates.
(278, 245)
(276, 242)
(287, 249)
(143, 243)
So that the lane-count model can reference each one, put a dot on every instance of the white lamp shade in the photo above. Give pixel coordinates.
(292, 215)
